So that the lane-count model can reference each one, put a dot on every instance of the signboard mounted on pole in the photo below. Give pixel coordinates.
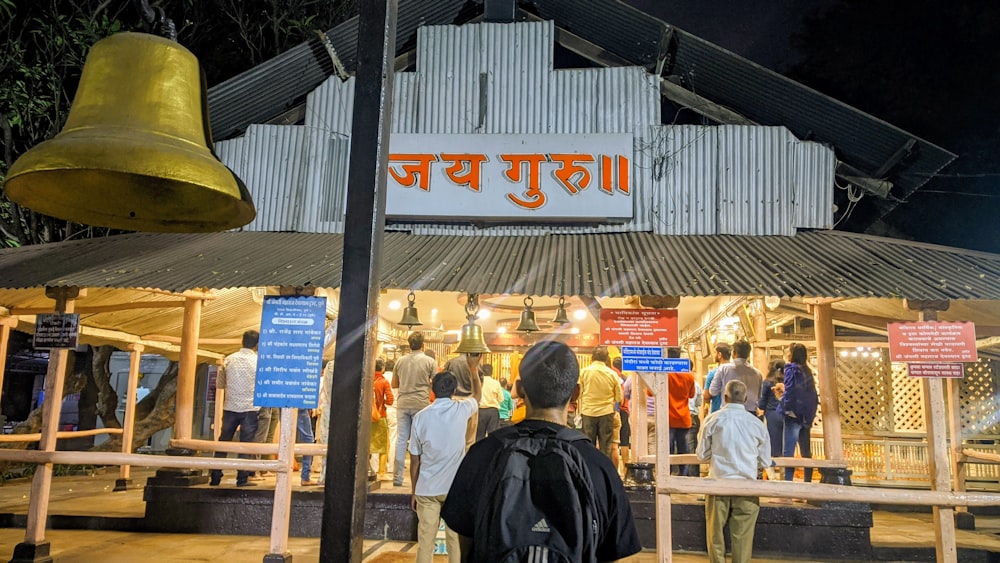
(933, 349)
(290, 352)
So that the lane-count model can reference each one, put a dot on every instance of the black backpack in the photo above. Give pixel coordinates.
(538, 502)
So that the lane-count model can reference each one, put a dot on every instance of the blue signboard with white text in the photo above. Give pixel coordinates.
(650, 359)
(290, 352)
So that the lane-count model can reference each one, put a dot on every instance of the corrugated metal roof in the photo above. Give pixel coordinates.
(811, 264)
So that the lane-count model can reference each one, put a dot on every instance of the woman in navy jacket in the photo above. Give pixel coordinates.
(798, 406)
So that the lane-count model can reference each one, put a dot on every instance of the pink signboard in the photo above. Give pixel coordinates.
(639, 327)
(932, 341)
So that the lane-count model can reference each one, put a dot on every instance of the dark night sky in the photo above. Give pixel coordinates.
(932, 70)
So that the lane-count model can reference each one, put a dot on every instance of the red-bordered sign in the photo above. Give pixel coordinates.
(932, 341)
(639, 327)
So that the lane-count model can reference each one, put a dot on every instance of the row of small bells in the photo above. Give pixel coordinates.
(472, 340)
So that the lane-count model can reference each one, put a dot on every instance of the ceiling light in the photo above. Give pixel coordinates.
(580, 314)
(394, 305)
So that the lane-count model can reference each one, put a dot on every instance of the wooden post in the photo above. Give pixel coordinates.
(220, 398)
(760, 353)
(282, 508)
(937, 444)
(664, 519)
(5, 325)
(637, 404)
(184, 401)
(34, 544)
(955, 435)
(128, 425)
(827, 359)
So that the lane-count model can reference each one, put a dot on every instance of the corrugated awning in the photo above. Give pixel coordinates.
(812, 264)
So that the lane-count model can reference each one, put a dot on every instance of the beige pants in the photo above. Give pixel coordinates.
(428, 519)
(741, 515)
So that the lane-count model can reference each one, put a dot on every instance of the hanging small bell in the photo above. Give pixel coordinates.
(528, 323)
(472, 334)
(136, 151)
(410, 313)
(561, 317)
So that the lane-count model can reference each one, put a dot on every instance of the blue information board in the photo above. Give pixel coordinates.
(290, 352)
(650, 359)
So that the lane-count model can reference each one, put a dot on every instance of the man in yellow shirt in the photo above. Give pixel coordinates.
(600, 393)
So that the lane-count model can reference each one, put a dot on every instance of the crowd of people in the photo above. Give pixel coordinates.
(453, 422)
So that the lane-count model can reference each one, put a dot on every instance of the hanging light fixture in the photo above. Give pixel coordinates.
(472, 334)
(772, 302)
(561, 317)
(410, 318)
(528, 323)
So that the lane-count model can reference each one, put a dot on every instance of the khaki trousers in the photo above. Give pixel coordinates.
(741, 515)
(428, 519)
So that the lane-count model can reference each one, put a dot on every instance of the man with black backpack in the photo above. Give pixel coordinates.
(540, 491)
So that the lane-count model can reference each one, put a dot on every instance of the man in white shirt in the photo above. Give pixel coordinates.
(437, 445)
(237, 378)
(740, 370)
(736, 444)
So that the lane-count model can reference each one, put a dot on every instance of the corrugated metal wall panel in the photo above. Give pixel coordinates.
(448, 69)
(684, 174)
(271, 161)
(330, 107)
(406, 95)
(516, 59)
(813, 180)
(754, 181)
(571, 105)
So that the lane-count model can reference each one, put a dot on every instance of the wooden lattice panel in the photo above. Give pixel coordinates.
(865, 396)
(908, 401)
(977, 396)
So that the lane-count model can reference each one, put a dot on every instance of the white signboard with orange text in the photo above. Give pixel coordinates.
(584, 177)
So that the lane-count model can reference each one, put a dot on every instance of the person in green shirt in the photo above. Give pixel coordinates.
(506, 405)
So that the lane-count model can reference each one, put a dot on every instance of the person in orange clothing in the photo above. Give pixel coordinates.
(680, 388)
(380, 426)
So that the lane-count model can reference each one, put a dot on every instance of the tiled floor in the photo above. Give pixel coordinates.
(92, 495)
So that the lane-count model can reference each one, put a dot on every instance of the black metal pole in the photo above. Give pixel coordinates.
(347, 453)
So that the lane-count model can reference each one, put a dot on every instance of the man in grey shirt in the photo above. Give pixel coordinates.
(413, 372)
(739, 370)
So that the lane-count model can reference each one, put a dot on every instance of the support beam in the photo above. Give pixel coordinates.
(342, 526)
(188, 366)
(937, 444)
(4, 341)
(282, 505)
(128, 425)
(94, 309)
(41, 482)
(827, 380)
(664, 536)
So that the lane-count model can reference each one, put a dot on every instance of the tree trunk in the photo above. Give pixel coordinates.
(107, 398)
(154, 413)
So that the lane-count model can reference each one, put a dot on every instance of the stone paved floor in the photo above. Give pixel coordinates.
(92, 495)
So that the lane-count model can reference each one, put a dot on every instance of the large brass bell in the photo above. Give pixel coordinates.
(528, 323)
(472, 334)
(136, 152)
(410, 318)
